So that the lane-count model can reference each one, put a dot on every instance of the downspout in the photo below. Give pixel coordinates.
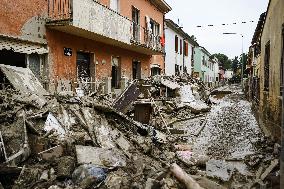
(164, 48)
(282, 124)
(183, 56)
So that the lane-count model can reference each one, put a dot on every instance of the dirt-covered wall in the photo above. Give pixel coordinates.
(270, 101)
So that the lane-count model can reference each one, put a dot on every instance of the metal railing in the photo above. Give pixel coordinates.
(144, 37)
(60, 9)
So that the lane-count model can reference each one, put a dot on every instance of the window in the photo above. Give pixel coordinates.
(136, 23)
(155, 27)
(176, 44)
(266, 66)
(185, 46)
(282, 64)
(180, 48)
(203, 61)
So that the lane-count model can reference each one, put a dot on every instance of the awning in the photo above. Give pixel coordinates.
(22, 46)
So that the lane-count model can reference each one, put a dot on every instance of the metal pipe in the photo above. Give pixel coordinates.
(282, 128)
(242, 74)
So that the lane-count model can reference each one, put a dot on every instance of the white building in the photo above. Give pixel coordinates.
(216, 70)
(179, 48)
(229, 74)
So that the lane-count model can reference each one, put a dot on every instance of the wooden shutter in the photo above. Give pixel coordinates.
(176, 43)
(185, 48)
(180, 49)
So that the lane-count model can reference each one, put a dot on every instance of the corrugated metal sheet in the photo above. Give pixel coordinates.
(21, 46)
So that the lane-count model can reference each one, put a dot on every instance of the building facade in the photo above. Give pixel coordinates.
(254, 62)
(85, 42)
(179, 50)
(271, 67)
(216, 71)
(229, 74)
(202, 64)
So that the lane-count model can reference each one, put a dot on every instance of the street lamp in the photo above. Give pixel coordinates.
(242, 70)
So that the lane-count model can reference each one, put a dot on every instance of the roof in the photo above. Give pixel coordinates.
(260, 25)
(21, 46)
(171, 24)
(162, 5)
(205, 51)
(259, 28)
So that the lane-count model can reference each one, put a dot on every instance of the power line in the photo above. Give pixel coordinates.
(234, 23)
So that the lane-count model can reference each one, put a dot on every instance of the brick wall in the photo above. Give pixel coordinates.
(65, 67)
(23, 19)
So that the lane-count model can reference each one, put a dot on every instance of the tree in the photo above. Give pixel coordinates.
(224, 60)
(235, 64)
(245, 56)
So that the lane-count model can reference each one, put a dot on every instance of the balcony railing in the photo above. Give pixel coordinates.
(59, 10)
(145, 38)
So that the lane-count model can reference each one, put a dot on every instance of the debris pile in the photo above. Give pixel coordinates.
(139, 140)
(66, 141)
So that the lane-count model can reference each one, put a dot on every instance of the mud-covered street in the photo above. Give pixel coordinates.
(232, 141)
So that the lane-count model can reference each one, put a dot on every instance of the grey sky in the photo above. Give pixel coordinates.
(192, 13)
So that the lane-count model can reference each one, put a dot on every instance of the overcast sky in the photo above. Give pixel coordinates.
(192, 13)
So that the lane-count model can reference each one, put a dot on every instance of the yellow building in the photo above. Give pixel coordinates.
(271, 64)
(254, 62)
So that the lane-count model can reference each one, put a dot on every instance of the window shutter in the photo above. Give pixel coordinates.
(185, 48)
(176, 44)
(180, 49)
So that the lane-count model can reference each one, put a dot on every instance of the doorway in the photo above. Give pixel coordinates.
(155, 70)
(115, 72)
(83, 67)
(136, 69)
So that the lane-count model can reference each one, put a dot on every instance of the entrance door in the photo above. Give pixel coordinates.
(83, 67)
(115, 72)
(136, 69)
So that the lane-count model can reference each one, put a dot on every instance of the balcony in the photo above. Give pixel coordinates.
(92, 20)
(144, 38)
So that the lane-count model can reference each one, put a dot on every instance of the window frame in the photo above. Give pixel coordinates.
(176, 43)
(266, 67)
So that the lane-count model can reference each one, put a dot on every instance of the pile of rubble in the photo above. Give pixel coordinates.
(136, 141)
(66, 141)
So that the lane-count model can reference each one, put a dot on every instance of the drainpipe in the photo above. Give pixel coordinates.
(282, 136)
(183, 55)
(282, 133)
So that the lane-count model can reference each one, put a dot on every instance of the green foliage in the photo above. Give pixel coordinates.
(235, 64)
(243, 60)
(224, 60)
